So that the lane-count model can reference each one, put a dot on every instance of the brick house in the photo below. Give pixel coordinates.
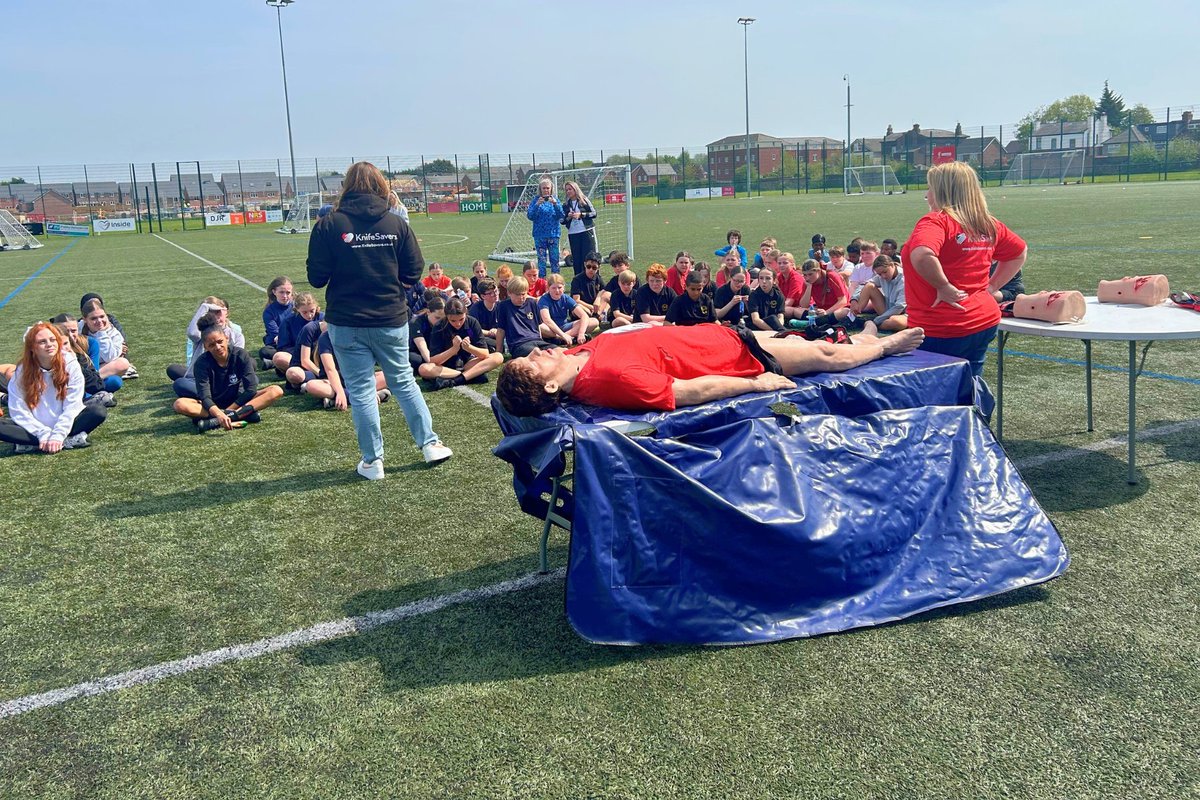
(651, 174)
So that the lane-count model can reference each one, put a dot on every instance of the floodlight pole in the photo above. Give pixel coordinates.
(277, 5)
(846, 78)
(745, 22)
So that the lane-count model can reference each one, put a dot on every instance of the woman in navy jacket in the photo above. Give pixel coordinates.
(579, 217)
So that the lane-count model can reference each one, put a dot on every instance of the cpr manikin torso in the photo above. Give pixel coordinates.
(1143, 290)
(1050, 306)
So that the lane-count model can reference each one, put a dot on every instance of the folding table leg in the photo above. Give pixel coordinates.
(1087, 349)
(1001, 340)
(1133, 373)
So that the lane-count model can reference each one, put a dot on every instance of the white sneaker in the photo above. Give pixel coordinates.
(130, 373)
(78, 440)
(436, 453)
(383, 395)
(327, 402)
(372, 471)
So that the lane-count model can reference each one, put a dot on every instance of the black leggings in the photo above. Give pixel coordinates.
(88, 420)
(581, 245)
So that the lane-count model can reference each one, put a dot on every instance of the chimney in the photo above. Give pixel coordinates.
(1187, 119)
(889, 131)
(916, 127)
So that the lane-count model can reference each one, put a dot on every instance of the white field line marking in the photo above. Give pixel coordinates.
(213, 264)
(1107, 444)
(471, 394)
(459, 240)
(322, 632)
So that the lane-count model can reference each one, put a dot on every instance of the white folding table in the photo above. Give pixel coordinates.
(1104, 322)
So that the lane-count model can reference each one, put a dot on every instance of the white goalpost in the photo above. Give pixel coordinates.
(1057, 166)
(14, 235)
(299, 216)
(871, 179)
(609, 189)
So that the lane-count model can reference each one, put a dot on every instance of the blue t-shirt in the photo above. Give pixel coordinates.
(325, 345)
(519, 324)
(308, 337)
(560, 309)
(479, 311)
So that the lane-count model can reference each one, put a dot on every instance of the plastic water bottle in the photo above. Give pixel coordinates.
(812, 314)
(741, 305)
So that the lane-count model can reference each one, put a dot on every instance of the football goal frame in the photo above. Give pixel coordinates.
(871, 179)
(14, 235)
(1046, 167)
(610, 190)
(299, 216)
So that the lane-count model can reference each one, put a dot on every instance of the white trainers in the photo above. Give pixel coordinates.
(130, 373)
(78, 440)
(436, 453)
(383, 395)
(372, 471)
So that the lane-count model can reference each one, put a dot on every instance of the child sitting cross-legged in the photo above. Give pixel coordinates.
(621, 303)
(555, 310)
(227, 384)
(458, 353)
(327, 386)
(693, 306)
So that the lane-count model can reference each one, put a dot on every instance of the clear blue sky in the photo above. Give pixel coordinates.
(136, 80)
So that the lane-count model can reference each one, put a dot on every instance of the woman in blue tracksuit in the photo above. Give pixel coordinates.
(547, 214)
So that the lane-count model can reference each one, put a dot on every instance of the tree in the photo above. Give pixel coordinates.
(1111, 106)
(13, 180)
(1076, 108)
(1145, 155)
(1140, 115)
(1182, 150)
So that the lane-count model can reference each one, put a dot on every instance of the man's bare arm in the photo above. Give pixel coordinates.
(717, 387)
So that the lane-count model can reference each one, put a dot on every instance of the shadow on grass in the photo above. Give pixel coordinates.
(1085, 480)
(223, 493)
(522, 634)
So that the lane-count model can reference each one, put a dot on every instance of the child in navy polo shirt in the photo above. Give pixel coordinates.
(478, 273)
(621, 302)
(766, 303)
(693, 306)
(419, 330)
(731, 299)
(653, 300)
(620, 263)
(517, 321)
(304, 367)
(304, 310)
(327, 386)
(586, 286)
(555, 309)
(483, 310)
(459, 354)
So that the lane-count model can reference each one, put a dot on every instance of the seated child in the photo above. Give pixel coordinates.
(838, 262)
(111, 351)
(586, 286)
(621, 305)
(45, 397)
(733, 244)
(824, 293)
(620, 264)
(537, 285)
(868, 252)
(228, 386)
(817, 251)
(693, 306)
(185, 384)
(766, 303)
(460, 287)
(889, 248)
(459, 353)
(883, 295)
(504, 274)
(1009, 291)
(653, 300)
(478, 273)
(304, 311)
(210, 303)
(731, 298)
(729, 266)
(111, 319)
(517, 321)
(705, 272)
(436, 279)
(420, 328)
(76, 344)
(327, 386)
(279, 303)
(483, 311)
(555, 310)
(304, 367)
(679, 271)
(767, 245)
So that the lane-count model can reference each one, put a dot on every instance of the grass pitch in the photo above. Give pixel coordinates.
(156, 544)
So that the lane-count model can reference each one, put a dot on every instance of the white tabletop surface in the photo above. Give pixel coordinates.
(1115, 321)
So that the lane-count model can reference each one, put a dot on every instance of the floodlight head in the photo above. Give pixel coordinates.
(280, 3)
(741, 20)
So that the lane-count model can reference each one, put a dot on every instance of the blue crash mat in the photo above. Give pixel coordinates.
(757, 530)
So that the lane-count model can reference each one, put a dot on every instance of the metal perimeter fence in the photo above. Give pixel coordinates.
(195, 194)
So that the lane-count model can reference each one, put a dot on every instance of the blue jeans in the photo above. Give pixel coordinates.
(547, 255)
(358, 351)
(973, 348)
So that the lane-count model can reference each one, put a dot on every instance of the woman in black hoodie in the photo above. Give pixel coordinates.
(368, 259)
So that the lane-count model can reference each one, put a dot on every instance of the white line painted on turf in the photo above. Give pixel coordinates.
(315, 634)
(212, 264)
(1107, 444)
(471, 394)
(459, 240)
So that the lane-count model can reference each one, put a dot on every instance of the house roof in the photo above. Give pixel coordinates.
(660, 170)
(1056, 128)
(252, 181)
(1124, 137)
(976, 144)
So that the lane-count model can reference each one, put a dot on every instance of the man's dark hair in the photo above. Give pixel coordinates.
(486, 285)
(523, 394)
(592, 256)
(694, 277)
(619, 259)
(892, 242)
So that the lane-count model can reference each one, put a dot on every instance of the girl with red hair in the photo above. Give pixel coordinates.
(45, 397)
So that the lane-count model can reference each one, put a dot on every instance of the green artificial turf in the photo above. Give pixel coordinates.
(157, 543)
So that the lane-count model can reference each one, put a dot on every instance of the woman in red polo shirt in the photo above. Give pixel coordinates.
(948, 256)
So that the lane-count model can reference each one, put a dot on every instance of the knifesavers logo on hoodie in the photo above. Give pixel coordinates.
(360, 240)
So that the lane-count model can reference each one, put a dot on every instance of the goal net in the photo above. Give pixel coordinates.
(871, 180)
(300, 214)
(14, 235)
(1058, 166)
(608, 188)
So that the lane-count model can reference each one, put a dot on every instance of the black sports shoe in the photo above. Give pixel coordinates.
(442, 383)
(208, 424)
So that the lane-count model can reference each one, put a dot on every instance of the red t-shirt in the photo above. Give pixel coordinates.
(790, 285)
(675, 280)
(635, 371)
(966, 263)
(441, 284)
(538, 287)
(831, 290)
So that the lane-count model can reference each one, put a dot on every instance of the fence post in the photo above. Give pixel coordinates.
(1129, 149)
(137, 208)
(157, 199)
(200, 183)
(458, 185)
(88, 187)
(683, 172)
(179, 182)
(708, 164)
(424, 185)
(1167, 147)
(42, 197)
(805, 166)
(149, 218)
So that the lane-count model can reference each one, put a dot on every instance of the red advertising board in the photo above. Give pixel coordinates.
(943, 154)
(443, 208)
(614, 198)
(728, 191)
(256, 217)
